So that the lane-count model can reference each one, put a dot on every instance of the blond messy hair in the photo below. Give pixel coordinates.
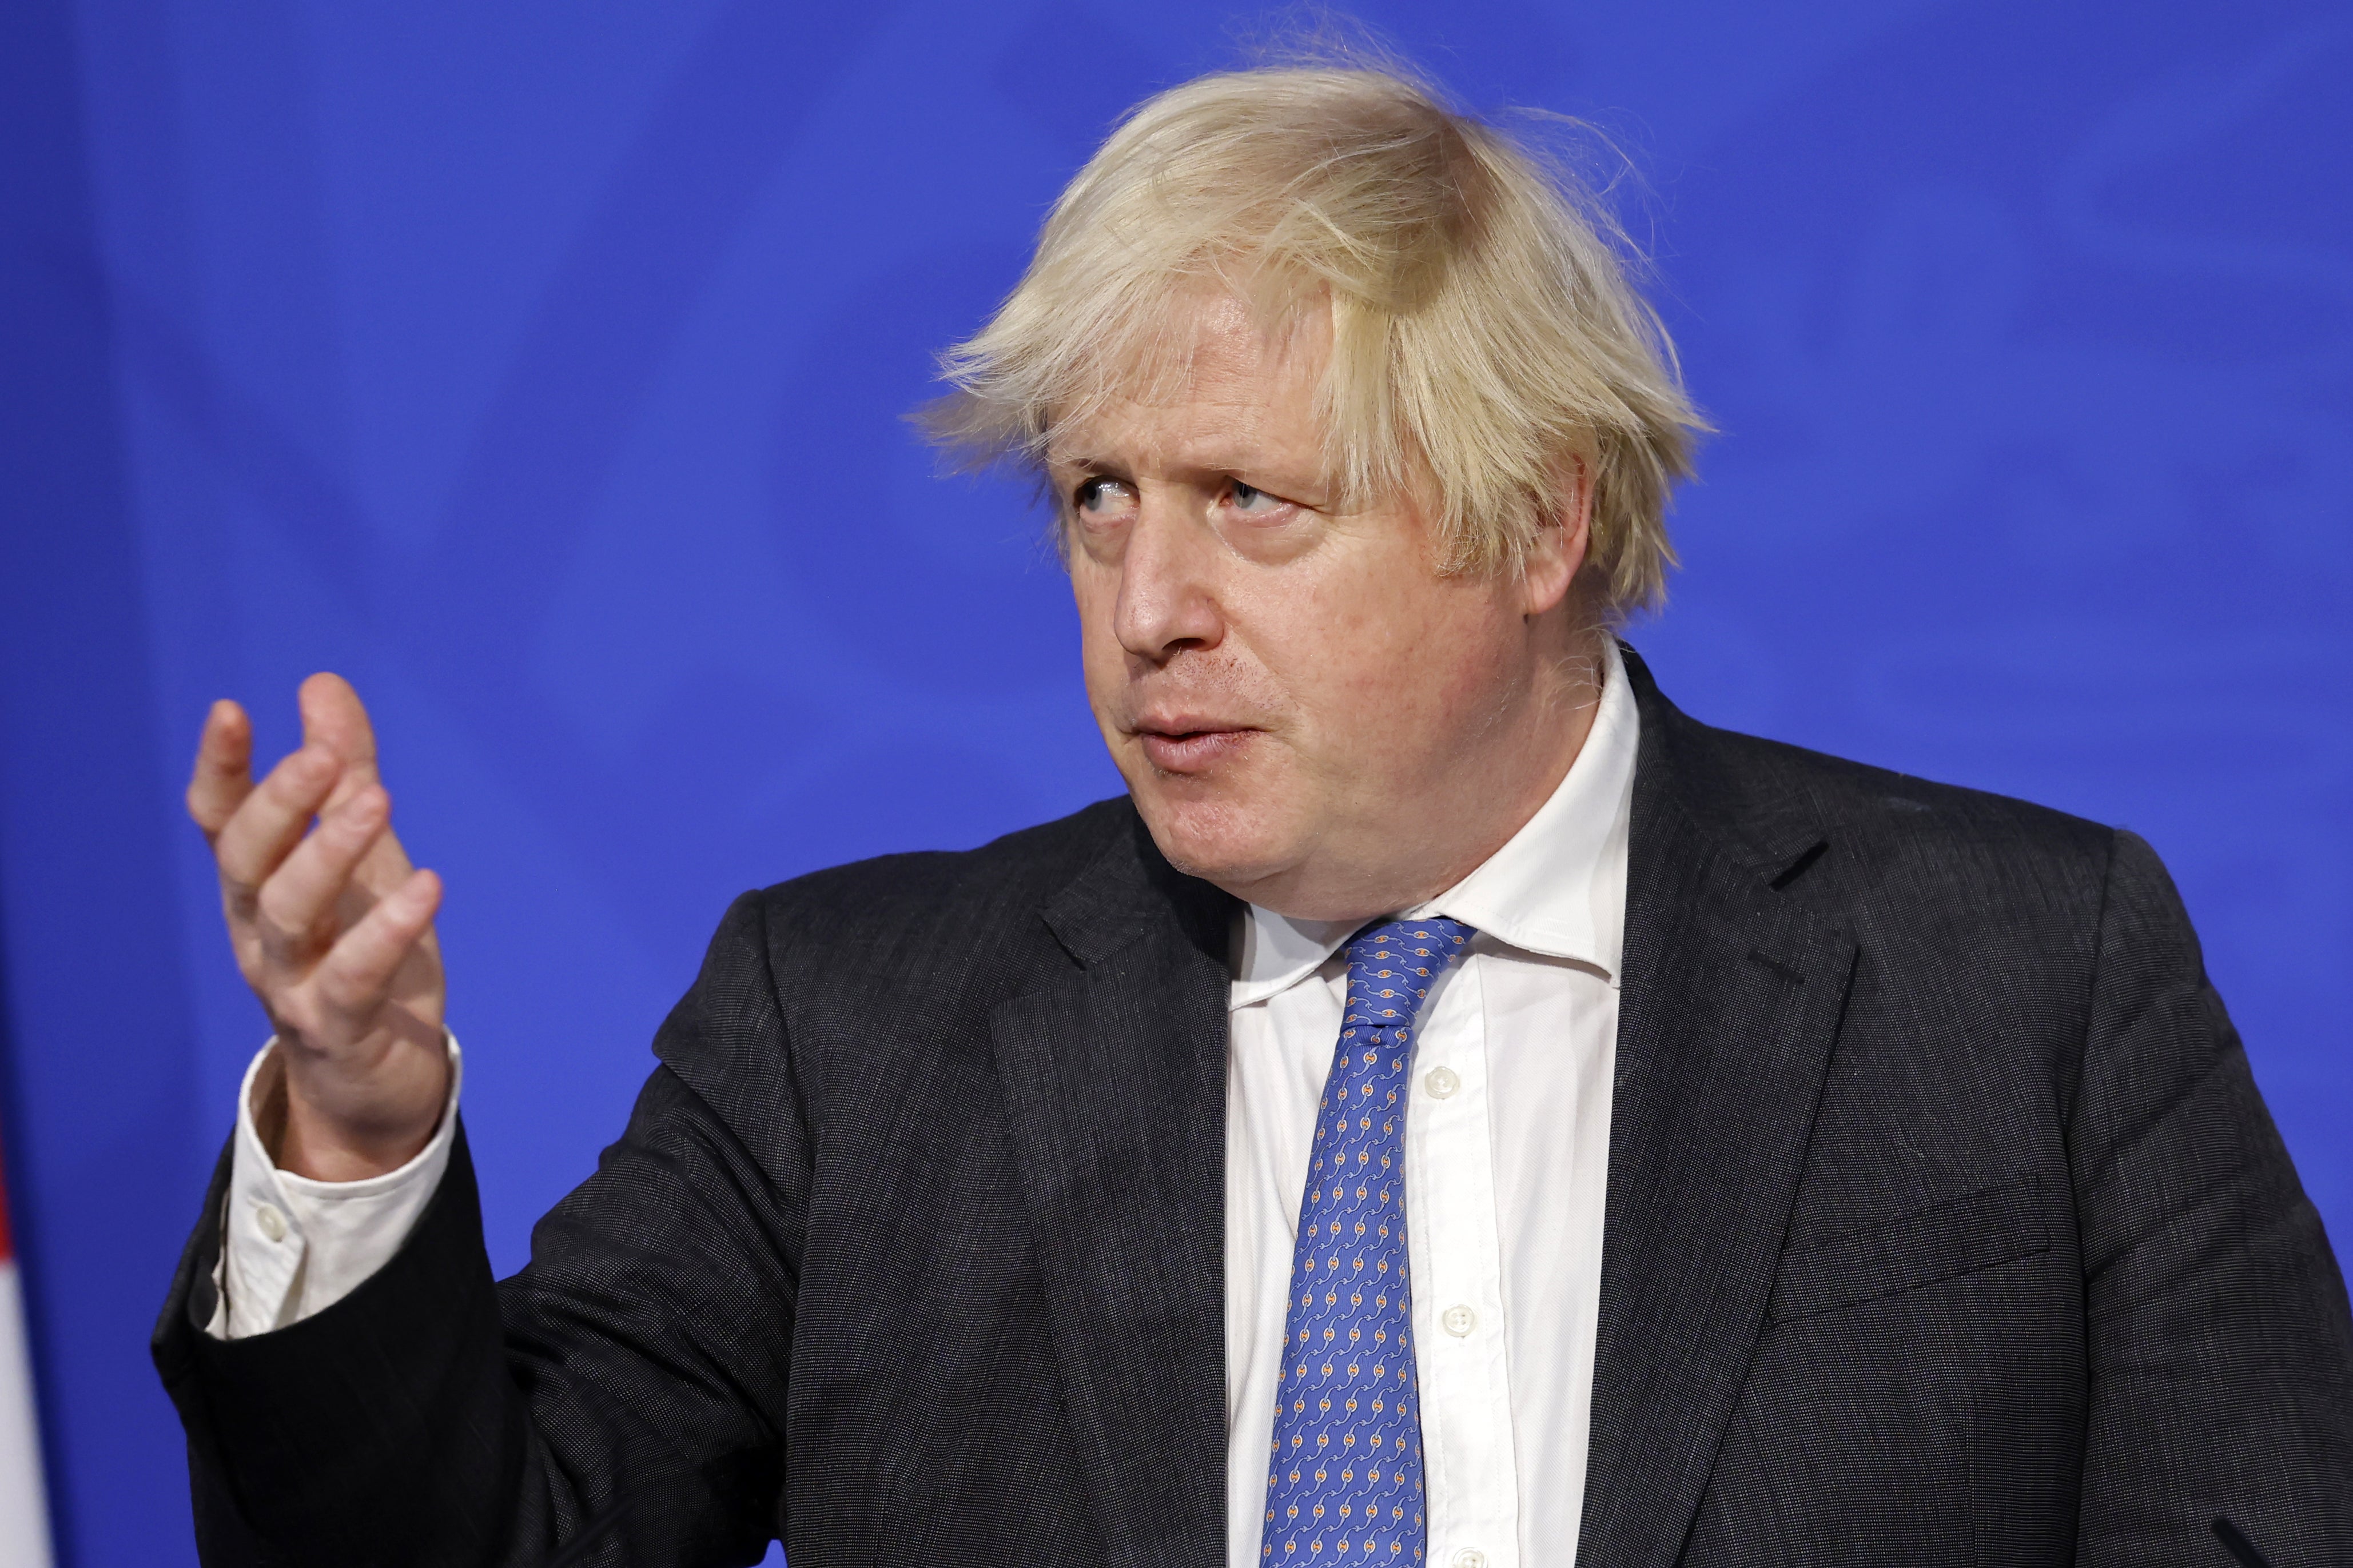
(1484, 332)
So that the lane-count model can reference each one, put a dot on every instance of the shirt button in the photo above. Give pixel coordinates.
(1459, 1321)
(1470, 1557)
(269, 1223)
(1441, 1082)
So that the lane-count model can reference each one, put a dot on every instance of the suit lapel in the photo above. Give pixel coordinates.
(1114, 1086)
(1729, 1007)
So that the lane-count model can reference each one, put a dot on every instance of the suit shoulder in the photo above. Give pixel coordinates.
(929, 887)
(1934, 878)
(1873, 805)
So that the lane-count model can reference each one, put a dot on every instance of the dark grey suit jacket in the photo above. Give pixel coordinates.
(1944, 1225)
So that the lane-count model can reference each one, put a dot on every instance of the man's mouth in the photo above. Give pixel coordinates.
(1189, 745)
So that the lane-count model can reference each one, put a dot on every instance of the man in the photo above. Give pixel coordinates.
(1456, 1109)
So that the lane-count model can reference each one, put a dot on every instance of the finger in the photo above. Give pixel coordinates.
(333, 717)
(298, 899)
(224, 774)
(358, 970)
(259, 832)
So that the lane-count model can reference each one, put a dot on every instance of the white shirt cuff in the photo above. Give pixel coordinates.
(291, 1246)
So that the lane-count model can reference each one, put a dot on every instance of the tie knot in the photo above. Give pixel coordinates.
(1393, 964)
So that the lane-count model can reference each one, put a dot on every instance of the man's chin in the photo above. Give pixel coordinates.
(1216, 841)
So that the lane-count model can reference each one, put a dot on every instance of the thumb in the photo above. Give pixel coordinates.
(333, 717)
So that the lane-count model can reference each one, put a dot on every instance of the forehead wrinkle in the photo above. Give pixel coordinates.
(1212, 389)
(1190, 441)
(1230, 425)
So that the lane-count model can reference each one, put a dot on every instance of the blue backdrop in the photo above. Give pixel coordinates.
(540, 366)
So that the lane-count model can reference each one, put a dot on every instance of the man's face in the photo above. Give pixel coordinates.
(1306, 712)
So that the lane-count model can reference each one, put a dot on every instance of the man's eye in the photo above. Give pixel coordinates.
(1251, 498)
(1098, 497)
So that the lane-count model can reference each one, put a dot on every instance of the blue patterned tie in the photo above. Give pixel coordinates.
(1345, 1481)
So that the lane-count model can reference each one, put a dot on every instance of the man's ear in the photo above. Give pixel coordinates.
(1556, 554)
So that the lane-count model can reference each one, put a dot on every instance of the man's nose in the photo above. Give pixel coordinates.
(1168, 600)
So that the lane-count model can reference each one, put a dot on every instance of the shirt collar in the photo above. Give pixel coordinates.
(1556, 888)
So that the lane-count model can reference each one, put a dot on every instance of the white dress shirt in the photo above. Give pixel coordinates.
(1507, 1164)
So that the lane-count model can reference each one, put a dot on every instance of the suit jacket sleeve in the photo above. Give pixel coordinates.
(620, 1400)
(2221, 1349)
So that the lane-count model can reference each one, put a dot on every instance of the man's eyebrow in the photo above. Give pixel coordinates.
(1087, 464)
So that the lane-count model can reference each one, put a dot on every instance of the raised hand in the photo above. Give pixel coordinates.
(333, 928)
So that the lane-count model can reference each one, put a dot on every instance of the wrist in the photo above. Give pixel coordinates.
(316, 1123)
